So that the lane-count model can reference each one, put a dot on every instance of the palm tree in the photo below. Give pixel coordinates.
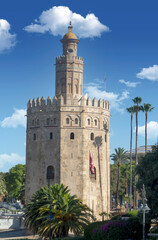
(53, 210)
(137, 108)
(118, 156)
(131, 110)
(146, 108)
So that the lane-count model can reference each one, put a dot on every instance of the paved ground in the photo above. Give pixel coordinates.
(15, 234)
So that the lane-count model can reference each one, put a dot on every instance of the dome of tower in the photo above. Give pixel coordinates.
(70, 34)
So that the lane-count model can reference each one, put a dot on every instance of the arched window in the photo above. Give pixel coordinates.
(34, 136)
(51, 135)
(37, 121)
(50, 172)
(76, 120)
(48, 121)
(92, 136)
(67, 120)
(95, 122)
(33, 122)
(72, 136)
(88, 121)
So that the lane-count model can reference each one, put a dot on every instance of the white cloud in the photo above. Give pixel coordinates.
(56, 20)
(116, 100)
(150, 73)
(129, 84)
(12, 159)
(152, 128)
(7, 40)
(17, 119)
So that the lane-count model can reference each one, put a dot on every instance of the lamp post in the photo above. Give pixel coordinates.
(144, 208)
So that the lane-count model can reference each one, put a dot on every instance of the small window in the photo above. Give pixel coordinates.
(67, 120)
(88, 121)
(55, 120)
(33, 123)
(95, 122)
(50, 172)
(34, 136)
(105, 138)
(37, 121)
(48, 121)
(76, 120)
(51, 135)
(72, 136)
(92, 136)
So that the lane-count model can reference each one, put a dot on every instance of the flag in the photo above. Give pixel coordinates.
(105, 78)
(91, 166)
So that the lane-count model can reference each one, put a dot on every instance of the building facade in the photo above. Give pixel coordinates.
(62, 132)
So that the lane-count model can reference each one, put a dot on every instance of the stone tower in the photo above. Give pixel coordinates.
(63, 132)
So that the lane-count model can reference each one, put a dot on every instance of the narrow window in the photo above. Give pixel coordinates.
(55, 120)
(72, 136)
(92, 136)
(37, 121)
(76, 89)
(51, 135)
(105, 138)
(34, 136)
(48, 121)
(88, 121)
(50, 172)
(95, 122)
(76, 120)
(33, 122)
(67, 120)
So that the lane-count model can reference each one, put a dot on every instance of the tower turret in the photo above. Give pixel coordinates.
(69, 68)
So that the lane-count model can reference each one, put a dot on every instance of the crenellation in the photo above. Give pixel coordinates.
(38, 102)
(89, 101)
(94, 102)
(34, 103)
(43, 101)
(49, 101)
(100, 103)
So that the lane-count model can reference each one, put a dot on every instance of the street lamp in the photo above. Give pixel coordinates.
(144, 208)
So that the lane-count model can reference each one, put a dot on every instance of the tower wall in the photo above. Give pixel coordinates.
(70, 157)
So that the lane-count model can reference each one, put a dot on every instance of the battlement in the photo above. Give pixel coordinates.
(55, 103)
(68, 57)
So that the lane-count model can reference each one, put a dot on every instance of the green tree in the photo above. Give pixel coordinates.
(15, 179)
(147, 170)
(119, 156)
(137, 108)
(3, 190)
(68, 212)
(124, 179)
(131, 110)
(146, 108)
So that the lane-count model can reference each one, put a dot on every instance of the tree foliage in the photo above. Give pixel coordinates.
(147, 170)
(68, 212)
(124, 179)
(3, 189)
(15, 181)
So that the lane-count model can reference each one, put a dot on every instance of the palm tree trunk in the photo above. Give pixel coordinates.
(146, 119)
(136, 162)
(118, 183)
(131, 161)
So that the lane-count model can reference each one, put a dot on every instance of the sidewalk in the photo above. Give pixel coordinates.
(15, 234)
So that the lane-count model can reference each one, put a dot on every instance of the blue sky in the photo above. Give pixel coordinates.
(117, 38)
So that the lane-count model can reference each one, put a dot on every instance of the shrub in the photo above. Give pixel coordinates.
(133, 213)
(115, 229)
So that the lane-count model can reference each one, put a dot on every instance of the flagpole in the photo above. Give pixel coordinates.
(89, 186)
